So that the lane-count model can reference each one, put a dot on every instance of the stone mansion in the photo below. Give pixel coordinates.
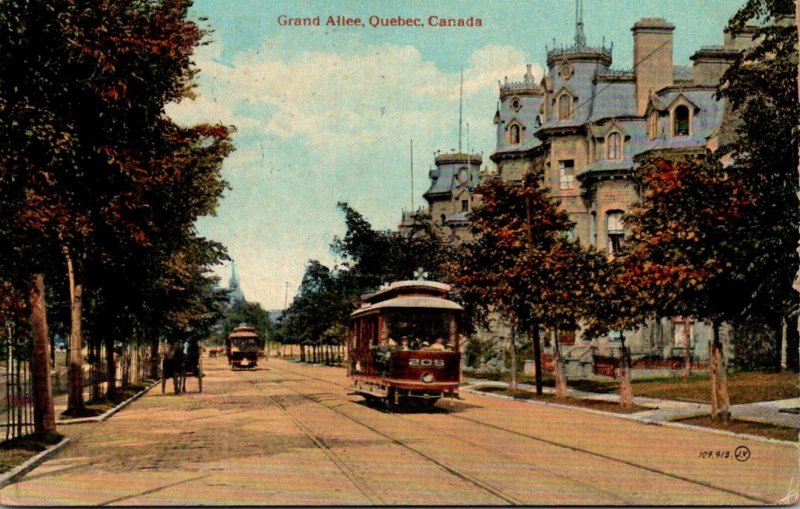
(583, 127)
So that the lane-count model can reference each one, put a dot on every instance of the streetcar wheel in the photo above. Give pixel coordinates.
(429, 403)
(393, 399)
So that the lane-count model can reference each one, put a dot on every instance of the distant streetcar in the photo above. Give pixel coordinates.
(404, 344)
(243, 348)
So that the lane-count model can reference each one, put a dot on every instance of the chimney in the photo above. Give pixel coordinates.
(652, 58)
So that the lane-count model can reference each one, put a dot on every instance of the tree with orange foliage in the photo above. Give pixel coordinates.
(524, 266)
(688, 252)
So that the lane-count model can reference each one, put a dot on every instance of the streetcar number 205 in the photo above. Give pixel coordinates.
(426, 363)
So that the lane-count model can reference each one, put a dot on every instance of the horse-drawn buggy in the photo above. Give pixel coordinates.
(180, 365)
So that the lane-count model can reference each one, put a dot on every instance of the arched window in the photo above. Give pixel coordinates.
(615, 231)
(681, 121)
(564, 106)
(652, 126)
(513, 134)
(614, 147)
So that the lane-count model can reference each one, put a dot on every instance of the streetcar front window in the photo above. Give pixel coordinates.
(422, 330)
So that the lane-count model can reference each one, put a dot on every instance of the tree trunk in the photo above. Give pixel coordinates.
(44, 419)
(153, 360)
(792, 343)
(75, 404)
(513, 348)
(111, 367)
(687, 359)
(96, 362)
(559, 369)
(625, 387)
(720, 400)
(537, 357)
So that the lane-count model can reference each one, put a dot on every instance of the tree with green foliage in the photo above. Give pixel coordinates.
(243, 312)
(86, 151)
(761, 89)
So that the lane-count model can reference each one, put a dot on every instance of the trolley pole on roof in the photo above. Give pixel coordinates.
(412, 175)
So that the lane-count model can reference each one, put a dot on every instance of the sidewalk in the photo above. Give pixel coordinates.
(768, 412)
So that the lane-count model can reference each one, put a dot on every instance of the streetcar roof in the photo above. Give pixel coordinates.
(243, 332)
(415, 301)
(408, 287)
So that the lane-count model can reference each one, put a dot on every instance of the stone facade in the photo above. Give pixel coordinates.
(587, 124)
(583, 127)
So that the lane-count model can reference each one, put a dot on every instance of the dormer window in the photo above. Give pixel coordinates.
(564, 106)
(652, 126)
(614, 147)
(680, 121)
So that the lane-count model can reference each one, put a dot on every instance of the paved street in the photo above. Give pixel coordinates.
(291, 434)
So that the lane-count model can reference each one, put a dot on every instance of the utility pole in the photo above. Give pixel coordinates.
(460, 108)
(412, 175)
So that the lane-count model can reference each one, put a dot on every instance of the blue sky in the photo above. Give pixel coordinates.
(325, 114)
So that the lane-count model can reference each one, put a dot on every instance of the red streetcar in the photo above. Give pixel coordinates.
(404, 344)
(243, 347)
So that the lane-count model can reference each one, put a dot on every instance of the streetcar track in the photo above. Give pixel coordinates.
(578, 449)
(621, 500)
(365, 490)
(460, 475)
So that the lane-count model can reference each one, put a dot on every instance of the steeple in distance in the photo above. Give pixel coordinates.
(235, 291)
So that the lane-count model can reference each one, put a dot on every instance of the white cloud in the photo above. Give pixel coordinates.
(326, 126)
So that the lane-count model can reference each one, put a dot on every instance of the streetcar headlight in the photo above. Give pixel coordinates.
(427, 378)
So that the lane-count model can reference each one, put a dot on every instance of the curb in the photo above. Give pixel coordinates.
(668, 424)
(108, 413)
(17, 472)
